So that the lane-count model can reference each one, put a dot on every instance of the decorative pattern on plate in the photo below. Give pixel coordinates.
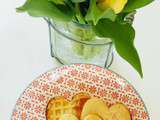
(69, 80)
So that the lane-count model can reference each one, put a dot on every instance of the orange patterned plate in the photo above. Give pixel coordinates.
(69, 80)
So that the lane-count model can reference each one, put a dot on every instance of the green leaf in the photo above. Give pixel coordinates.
(135, 4)
(58, 1)
(95, 14)
(45, 8)
(123, 38)
(77, 1)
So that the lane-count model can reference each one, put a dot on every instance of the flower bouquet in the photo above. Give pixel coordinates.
(92, 21)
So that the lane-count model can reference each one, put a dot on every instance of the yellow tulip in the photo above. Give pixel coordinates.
(116, 5)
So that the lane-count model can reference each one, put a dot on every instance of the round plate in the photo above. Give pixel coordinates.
(69, 80)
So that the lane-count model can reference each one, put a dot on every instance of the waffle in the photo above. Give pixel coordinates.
(119, 112)
(92, 117)
(83, 107)
(68, 117)
(95, 106)
(57, 107)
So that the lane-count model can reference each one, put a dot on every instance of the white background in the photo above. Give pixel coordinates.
(24, 55)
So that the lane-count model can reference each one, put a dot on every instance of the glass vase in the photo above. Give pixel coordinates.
(77, 43)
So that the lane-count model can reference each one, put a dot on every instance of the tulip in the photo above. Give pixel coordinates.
(116, 5)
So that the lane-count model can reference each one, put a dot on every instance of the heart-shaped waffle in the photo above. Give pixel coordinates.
(96, 109)
(59, 106)
(119, 112)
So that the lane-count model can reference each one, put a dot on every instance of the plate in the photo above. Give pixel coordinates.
(69, 80)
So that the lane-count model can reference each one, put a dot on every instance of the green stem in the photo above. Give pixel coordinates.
(79, 14)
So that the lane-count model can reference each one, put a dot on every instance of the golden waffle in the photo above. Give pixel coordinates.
(95, 106)
(57, 107)
(92, 117)
(119, 112)
(83, 107)
(68, 117)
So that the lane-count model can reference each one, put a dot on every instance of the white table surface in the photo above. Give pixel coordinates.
(24, 55)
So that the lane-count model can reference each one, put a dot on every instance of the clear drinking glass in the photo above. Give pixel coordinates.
(77, 43)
